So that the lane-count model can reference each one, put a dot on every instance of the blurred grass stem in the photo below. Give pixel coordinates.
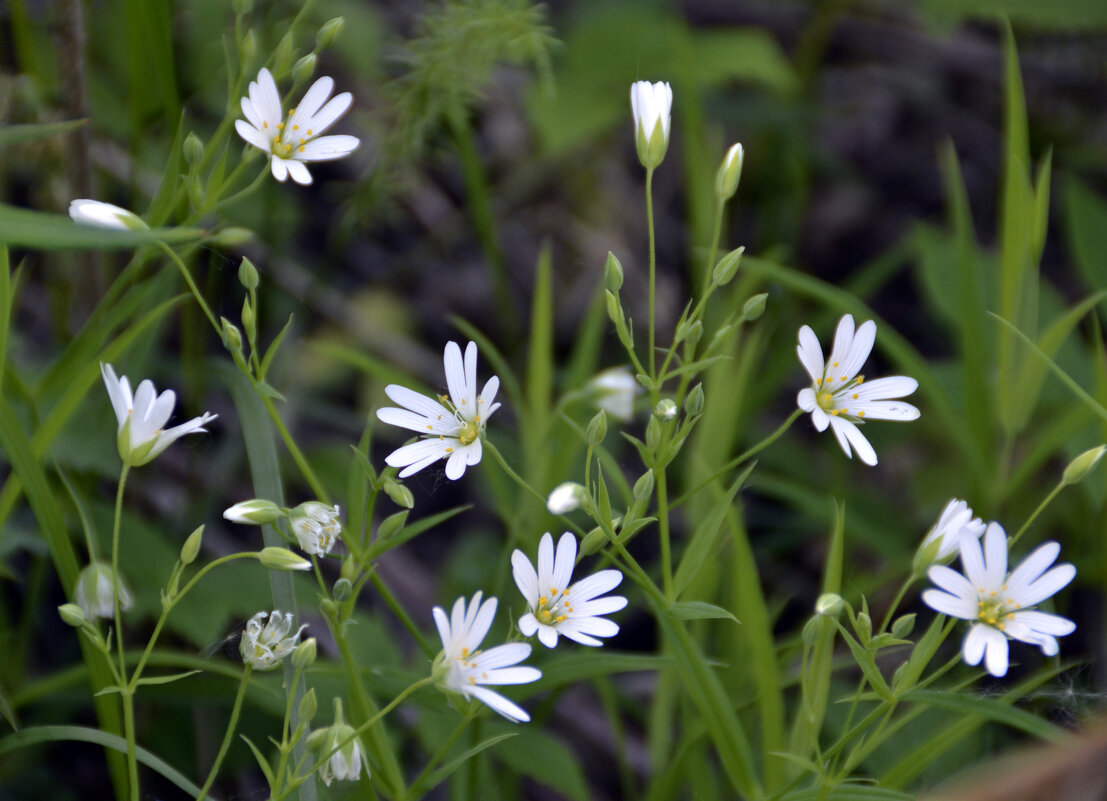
(231, 726)
(654, 389)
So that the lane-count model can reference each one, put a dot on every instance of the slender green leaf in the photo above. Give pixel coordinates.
(540, 354)
(698, 610)
(448, 768)
(547, 762)
(707, 532)
(579, 666)
(43, 231)
(995, 710)
(13, 134)
(414, 530)
(263, 763)
(168, 679)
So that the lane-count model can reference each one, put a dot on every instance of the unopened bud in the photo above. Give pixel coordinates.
(755, 307)
(863, 625)
(693, 404)
(400, 495)
(565, 497)
(613, 273)
(391, 525)
(276, 558)
(643, 487)
(597, 429)
(308, 705)
(248, 274)
(728, 265)
(343, 589)
(191, 548)
(1082, 465)
(232, 336)
(256, 512)
(653, 434)
(329, 32)
(903, 626)
(249, 320)
(303, 656)
(303, 68)
(829, 604)
(193, 148)
(282, 57)
(349, 569)
(730, 171)
(72, 614)
(593, 541)
(665, 410)
(231, 237)
(248, 49)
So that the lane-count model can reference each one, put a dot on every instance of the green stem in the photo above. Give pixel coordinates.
(294, 450)
(116, 584)
(235, 711)
(129, 733)
(1041, 507)
(402, 615)
(518, 479)
(441, 752)
(192, 287)
(715, 236)
(653, 280)
(895, 604)
(285, 727)
(663, 531)
(769, 440)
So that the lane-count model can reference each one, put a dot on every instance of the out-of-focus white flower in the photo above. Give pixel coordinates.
(452, 426)
(650, 104)
(263, 647)
(317, 526)
(291, 142)
(344, 764)
(95, 591)
(464, 669)
(944, 538)
(564, 498)
(142, 418)
(839, 397)
(98, 214)
(999, 602)
(558, 608)
(614, 390)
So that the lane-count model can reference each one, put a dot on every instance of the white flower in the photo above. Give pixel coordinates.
(463, 668)
(452, 431)
(263, 648)
(293, 140)
(944, 538)
(614, 390)
(316, 526)
(565, 498)
(557, 608)
(650, 104)
(999, 602)
(838, 396)
(95, 591)
(142, 418)
(345, 763)
(104, 215)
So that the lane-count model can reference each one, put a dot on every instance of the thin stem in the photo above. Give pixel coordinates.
(663, 531)
(769, 440)
(653, 279)
(895, 603)
(285, 726)
(1041, 507)
(442, 751)
(518, 479)
(402, 615)
(235, 710)
(715, 236)
(192, 286)
(116, 584)
(129, 734)
(294, 451)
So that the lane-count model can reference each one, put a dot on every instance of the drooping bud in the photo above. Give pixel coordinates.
(255, 512)
(317, 526)
(400, 495)
(277, 558)
(72, 614)
(565, 497)
(95, 591)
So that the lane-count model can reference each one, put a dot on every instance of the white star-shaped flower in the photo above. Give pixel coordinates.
(452, 426)
(463, 668)
(839, 397)
(955, 522)
(558, 608)
(296, 139)
(999, 602)
(142, 418)
(264, 647)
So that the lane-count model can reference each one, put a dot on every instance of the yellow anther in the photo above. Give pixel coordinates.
(818, 382)
(543, 600)
(560, 618)
(472, 680)
(860, 414)
(465, 652)
(309, 131)
(860, 379)
(430, 428)
(553, 590)
(854, 396)
(845, 377)
(264, 124)
(449, 450)
(835, 364)
(301, 148)
(295, 127)
(835, 412)
(280, 126)
(565, 591)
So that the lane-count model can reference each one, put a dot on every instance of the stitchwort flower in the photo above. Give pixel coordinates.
(263, 647)
(344, 764)
(452, 426)
(95, 594)
(97, 214)
(461, 668)
(317, 526)
(944, 538)
(558, 608)
(999, 603)
(650, 104)
(290, 141)
(839, 397)
(613, 391)
(142, 418)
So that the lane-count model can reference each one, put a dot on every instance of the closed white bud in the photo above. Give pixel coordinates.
(276, 558)
(95, 591)
(565, 498)
(96, 214)
(666, 410)
(650, 104)
(730, 171)
(256, 512)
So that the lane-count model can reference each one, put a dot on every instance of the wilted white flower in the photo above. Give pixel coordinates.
(316, 526)
(98, 214)
(295, 140)
(95, 591)
(464, 669)
(650, 104)
(999, 602)
(344, 764)
(142, 418)
(452, 431)
(565, 498)
(839, 397)
(614, 390)
(263, 647)
(944, 538)
(558, 608)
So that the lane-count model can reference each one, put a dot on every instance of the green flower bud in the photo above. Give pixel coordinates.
(248, 274)
(400, 495)
(72, 614)
(653, 434)
(1082, 465)
(613, 273)
(665, 410)
(232, 336)
(755, 307)
(304, 68)
(903, 626)
(231, 237)
(248, 49)
(329, 33)
(730, 171)
(256, 512)
(391, 525)
(863, 625)
(728, 265)
(249, 320)
(276, 558)
(349, 570)
(693, 404)
(829, 604)
(597, 429)
(643, 487)
(282, 57)
(193, 148)
(303, 657)
(813, 629)
(308, 705)
(191, 548)
(343, 589)
(593, 541)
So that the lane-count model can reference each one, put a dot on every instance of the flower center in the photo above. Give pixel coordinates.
(994, 610)
(549, 611)
(835, 400)
(468, 432)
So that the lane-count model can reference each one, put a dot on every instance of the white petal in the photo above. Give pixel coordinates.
(425, 450)
(597, 626)
(420, 404)
(119, 393)
(498, 703)
(839, 350)
(859, 350)
(600, 606)
(597, 584)
(569, 630)
(1030, 568)
(328, 148)
(469, 399)
(526, 579)
(502, 656)
(952, 582)
(545, 562)
(884, 410)
(487, 397)
(848, 434)
(547, 635)
(279, 168)
(564, 561)
(810, 353)
(414, 421)
(459, 619)
(169, 436)
(313, 99)
(265, 97)
(995, 656)
(511, 675)
(481, 622)
(442, 623)
(972, 561)
(819, 419)
(1049, 584)
(528, 624)
(330, 113)
(952, 605)
(455, 373)
(995, 556)
(252, 135)
(253, 117)
(455, 464)
(976, 640)
(1046, 623)
(806, 399)
(473, 452)
(299, 172)
(896, 386)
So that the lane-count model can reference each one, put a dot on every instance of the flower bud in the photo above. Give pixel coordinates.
(193, 148)
(650, 106)
(903, 626)
(249, 320)
(303, 68)
(400, 495)
(343, 589)
(329, 33)
(95, 591)
(690, 332)
(191, 548)
(72, 614)
(391, 525)
(248, 49)
(1082, 465)
(282, 57)
(308, 704)
(276, 558)
(728, 265)
(349, 569)
(303, 657)
(863, 625)
(730, 171)
(256, 512)
(693, 404)
(643, 487)
(665, 410)
(813, 629)
(231, 237)
(653, 434)
(829, 604)
(614, 390)
(565, 497)
(232, 336)
(593, 541)
(248, 274)
(597, 429)
(97, 214)
(613, 273)
(755, 307)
